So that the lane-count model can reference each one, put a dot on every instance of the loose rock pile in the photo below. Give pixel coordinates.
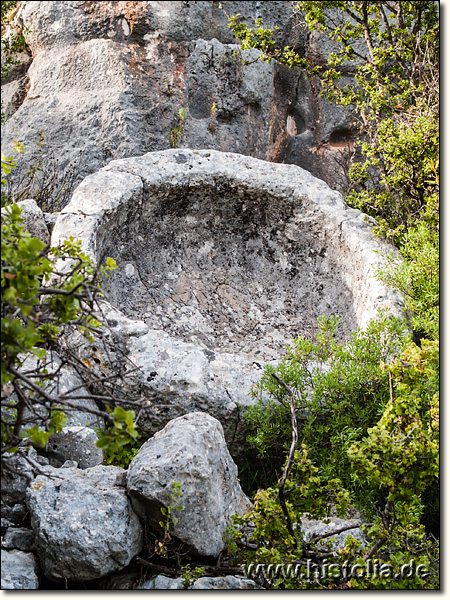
(87, 524)
(82, 522)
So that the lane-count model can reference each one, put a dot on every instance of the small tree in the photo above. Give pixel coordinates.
(395, 96)
(392, 459)
(50, 306)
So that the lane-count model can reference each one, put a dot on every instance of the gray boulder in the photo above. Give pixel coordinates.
(230, 582)
(190, 450)
(74, 443)
(33, 220)
(19, 571)
(83, 522)
(161, 582)
(316, 528)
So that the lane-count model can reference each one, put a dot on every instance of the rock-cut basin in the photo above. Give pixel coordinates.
(222, 261)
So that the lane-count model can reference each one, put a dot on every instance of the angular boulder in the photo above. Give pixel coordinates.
(190, 450)
(19, 570)
(83, 522)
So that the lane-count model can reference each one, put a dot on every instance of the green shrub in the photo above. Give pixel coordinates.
(340, 391)
(390, 456)
(120, 441)
(417, 277)
(42, 179)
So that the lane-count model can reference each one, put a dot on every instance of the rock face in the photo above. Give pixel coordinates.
(83, 522)
(19, 571)
(222, 261)
(190, 450)
(107, 80)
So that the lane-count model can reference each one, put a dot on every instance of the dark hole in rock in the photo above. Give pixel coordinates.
(341, 138)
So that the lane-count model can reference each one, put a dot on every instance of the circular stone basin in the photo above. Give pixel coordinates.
(234, 254)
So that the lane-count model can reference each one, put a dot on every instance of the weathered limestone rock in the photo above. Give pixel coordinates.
(74, 443)
(33, 220)
(222, 261)
(314, 527)
(190, 450)
(230, 582)
(19, 571)
(83, 522)
(107, 80)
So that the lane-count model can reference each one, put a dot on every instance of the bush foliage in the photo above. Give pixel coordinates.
(367, 415)
(366, 412)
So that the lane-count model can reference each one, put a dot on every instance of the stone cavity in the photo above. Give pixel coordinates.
(222, 260)
(227, 252)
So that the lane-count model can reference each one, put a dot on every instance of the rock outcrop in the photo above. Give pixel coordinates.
(83, 522)
(222, 261)
(190, 451)
(106, 80)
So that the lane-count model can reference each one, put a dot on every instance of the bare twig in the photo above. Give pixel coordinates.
(316, 536)
(290, 460)
(208, 570)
